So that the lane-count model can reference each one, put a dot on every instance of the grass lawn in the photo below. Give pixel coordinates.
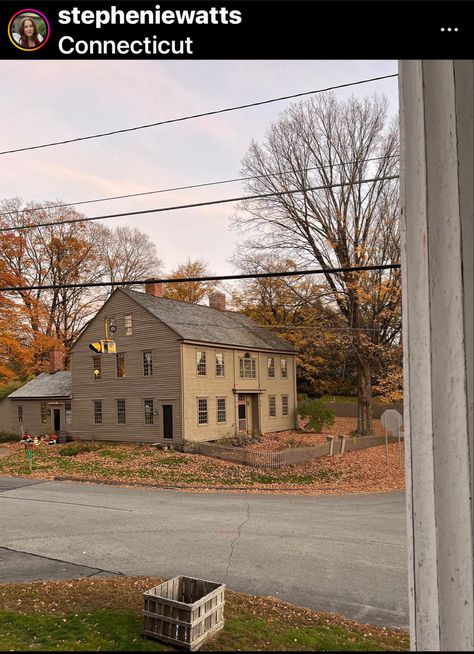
(105, 614)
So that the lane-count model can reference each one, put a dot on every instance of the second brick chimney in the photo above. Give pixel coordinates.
(56, 360)
(217, 300)
(154, 288)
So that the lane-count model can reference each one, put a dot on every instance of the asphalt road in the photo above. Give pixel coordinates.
(345, 554)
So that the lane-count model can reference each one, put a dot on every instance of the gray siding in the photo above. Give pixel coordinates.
(163, 387)
(31, 416)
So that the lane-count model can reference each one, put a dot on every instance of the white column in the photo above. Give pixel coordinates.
(436, 101)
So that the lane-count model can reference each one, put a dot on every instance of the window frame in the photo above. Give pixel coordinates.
(201, 361)
(97, 411)
(199, 411)
(44, 413)
(271, 367)
(19, 414)
(151, 412)
(252, 369)
(96, 359)
(220, 366)
(284, 367)
(270, 403)
(68, 413)
(119, 412)
(149, 365)
(285, 410)
(128, 324)
(119, 356)
(221, 399)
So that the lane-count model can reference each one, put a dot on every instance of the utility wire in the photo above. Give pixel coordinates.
(290, 273)
(190, 186)
(201, 115)
(193, 205)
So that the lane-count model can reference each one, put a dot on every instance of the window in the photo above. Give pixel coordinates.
(219, 364)
(44, 414)
(221, 412)
(121, 415)
(120, 361)
(202, 411)
(98, 412)
(68, 412)
(272, 406)
(201, 363)
(271, 367)
(284, 405)
(148, 363)
(248, 367)
(149, 412)
(20, 415)
(284, 367)
(128, 326)
(97, 367)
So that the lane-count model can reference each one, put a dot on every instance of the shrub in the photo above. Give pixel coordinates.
(73, 449)
(8, 437)
(318, 413)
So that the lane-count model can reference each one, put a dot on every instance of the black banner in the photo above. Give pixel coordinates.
(253, 29)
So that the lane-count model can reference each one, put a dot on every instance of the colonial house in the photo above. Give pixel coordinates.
(181, 371)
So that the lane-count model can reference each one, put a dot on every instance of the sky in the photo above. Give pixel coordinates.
(56, 100)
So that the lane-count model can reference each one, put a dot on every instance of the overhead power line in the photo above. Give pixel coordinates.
(201, 115)
(191, 186)
(194, 205)
(211, 278)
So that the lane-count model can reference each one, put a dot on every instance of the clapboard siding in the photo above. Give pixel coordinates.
(163, 387)
(32, 416)
(212, 387)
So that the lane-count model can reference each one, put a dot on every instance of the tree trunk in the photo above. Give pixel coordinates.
(364, 398)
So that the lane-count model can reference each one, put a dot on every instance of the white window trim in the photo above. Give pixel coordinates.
(202, 424)
(275, 405)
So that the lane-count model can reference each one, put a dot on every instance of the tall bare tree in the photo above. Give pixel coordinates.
(326, 143)
(126, 254)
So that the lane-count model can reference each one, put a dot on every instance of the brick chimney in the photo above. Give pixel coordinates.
(153, 288)
(217, 300)
(56, 360)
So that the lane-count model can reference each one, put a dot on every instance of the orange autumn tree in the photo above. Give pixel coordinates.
(194, 292)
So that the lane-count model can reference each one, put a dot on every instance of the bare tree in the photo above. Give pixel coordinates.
(126, 254)
(323, 142)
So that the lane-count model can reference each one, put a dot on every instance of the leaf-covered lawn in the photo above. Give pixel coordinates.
(363, 471)
(105, 614)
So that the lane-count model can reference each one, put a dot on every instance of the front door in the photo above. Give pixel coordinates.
(167, 421)
(57, 420)
(242, 416)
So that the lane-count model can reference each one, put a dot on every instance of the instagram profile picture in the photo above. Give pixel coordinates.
(28, 30)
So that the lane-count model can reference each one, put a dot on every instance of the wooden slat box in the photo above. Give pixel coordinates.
(183, 611)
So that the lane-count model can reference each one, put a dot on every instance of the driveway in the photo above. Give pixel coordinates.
(345, 554)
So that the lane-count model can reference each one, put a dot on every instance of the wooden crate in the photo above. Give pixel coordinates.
(183, 611)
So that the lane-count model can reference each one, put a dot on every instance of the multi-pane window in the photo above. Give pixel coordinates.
(284, 367)
(128, 326)
(248, 367)
(202, 411)
(201, 363)
(271, 367)
(121, 415)
(20, 415)
(149, 412)
(44, 413)
(98, 412)
(272, 406)
(68, 412)
(284, 405)
(219, 364)
(120, 362)
(97, 367)
(148, 363)
(221, 410)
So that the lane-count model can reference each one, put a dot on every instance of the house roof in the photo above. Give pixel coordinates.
(45, 385)
(195, 322)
